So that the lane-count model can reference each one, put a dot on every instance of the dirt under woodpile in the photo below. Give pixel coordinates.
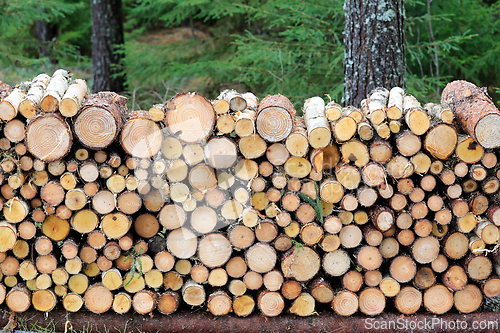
(241, 205)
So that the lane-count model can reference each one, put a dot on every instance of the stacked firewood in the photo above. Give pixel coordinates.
(236, 205)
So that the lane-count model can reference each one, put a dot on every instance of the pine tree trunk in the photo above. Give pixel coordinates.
(374, 47)
(107, 31)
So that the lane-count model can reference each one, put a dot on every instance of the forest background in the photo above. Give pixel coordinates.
(290, 47)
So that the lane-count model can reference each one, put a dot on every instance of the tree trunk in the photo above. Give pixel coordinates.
(374, 47)
(107, 33)
(44, 33)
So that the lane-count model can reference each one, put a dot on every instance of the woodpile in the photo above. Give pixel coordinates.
(240, 206)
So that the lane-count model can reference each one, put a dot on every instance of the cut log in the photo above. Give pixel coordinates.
(270, 303)
(245, 123)
(303, 305)
(182, 243)
(438, 299)
(403, 269)
(220, 153)
(441, 141)
(408, 300)
(336, 263)
(371, 301)
(144, 301)
(72, 302)
(193, 293)
(395, 103)
(468, 299)
(73, 98)
(243, 305)
(202, 177)
(369, 258)
(30, 105)
(55, 228)
(18, 299)
(455, 278)
(214, 250)
(44, 300)
(297, 143)
(275, 116)
(475, 110)
(48, 137)
(318, 131)
(408, 144)
(9, 106)
(389, 287)
(55, 91)
(425, 249)
(345, 303)
(141, 137)
(219, 303)
(168, 302)
(190, 117)
(98, 299)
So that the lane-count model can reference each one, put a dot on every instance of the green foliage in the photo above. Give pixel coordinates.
(316, 204)
(136, 261)
(292, 47)
(17, 43)
(288, 47)
(450, 40)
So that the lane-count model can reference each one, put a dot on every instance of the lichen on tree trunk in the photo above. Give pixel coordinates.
(374, 47)
(107, 34)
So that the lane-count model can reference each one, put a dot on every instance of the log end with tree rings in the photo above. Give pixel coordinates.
(369, 258)
(270, 303)
(371, 301)
(469, 299)
(193, 293)
(336, 263)
(18, 299)
(116, 225)
(219, 303)
(168, 302)
(141, 137)
(301, 263)
(172, 216)
(122, 303)
(261, 258)
(441, 141)
(48, 137)
(144, 302)
(72, 302)
(182, 243)
(243, 305)
(425, 249)
(204, 219)
(55, 228)
(96, 128)
(274, 123)
(203, 178)
(214, 250)
(190, 117)
(44, 300)
(98, 299)
(8, 236)
(345, 303)
(408, 300)
(303, 305)
(403, 268)
(438, 299)
(220, 153)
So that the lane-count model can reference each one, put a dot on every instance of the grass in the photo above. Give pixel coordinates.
(26, 324)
